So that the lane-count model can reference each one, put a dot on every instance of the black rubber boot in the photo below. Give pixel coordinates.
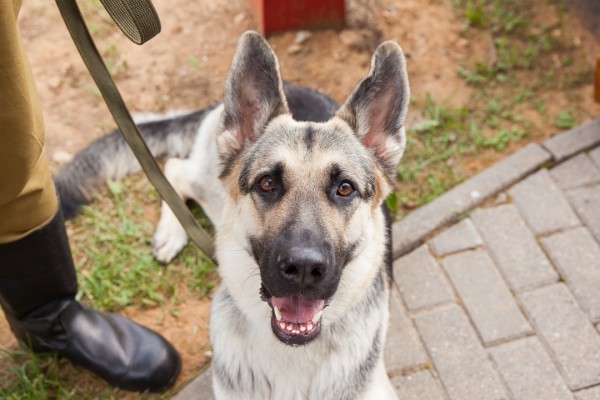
(37, 292)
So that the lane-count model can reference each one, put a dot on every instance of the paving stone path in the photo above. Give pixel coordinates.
(497, 292)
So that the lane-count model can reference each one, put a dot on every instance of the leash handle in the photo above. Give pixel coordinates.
(139, 21)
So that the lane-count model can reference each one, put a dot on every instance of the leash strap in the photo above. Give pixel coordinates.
(139, 22)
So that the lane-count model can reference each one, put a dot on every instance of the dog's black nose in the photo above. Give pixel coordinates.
(303, 265)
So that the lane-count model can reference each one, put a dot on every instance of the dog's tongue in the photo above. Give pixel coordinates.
(297, 309)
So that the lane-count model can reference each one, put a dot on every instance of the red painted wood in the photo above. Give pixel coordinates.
(597, 90)
(282, 15)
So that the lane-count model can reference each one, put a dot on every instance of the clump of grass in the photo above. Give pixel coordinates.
(565, 120)
(112, 243)
(498, 15)
(518, 45)
(440, 136)
(29, 376)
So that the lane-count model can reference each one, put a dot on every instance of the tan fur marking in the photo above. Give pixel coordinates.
(231, 182)
(382, 189)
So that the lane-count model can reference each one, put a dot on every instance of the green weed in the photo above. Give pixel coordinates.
(31, 377)
(516, 47)
(503, 16)
(194, 63)
(565, 120)
(116, 265)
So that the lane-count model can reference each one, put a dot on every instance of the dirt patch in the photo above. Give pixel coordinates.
(185, 326)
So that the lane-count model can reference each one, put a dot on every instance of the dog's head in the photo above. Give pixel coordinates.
(304, 198)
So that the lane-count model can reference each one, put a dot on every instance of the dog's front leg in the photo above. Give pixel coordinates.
(190, 181)
(170, 237)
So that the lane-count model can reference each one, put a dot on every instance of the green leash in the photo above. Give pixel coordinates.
(139, 22)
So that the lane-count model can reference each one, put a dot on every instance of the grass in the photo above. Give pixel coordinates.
(26, 378)
(440, 137)
(519, 44)
(116, 266)
(30, 376)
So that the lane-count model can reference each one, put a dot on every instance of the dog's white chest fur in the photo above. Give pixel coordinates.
(250, 363)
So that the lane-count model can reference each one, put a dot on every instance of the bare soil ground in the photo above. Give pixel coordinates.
(184, 68)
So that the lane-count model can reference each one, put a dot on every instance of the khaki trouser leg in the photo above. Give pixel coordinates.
(27, 194)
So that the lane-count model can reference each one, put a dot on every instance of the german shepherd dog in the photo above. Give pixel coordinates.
(296, 188)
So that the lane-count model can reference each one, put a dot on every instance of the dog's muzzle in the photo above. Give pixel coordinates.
(299, 277)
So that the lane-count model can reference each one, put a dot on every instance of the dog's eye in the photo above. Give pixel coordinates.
(345, 189)
(267, 184)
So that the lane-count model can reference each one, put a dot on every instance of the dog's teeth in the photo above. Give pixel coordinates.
(277, 313)
(309, 327)
(317, 317)
(282, 325)
(302, 328)
(289, 327)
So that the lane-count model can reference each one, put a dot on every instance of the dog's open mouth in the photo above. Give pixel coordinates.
(295, 320)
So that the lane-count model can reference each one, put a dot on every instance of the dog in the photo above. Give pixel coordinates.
(295, 187)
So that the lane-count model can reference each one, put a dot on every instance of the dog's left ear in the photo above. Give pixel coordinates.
(253, 93)
(377, 107)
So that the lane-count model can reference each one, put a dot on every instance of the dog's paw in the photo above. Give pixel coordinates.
(168, 241)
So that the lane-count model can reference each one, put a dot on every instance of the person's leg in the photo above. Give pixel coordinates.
(27, 195)
(37, 275)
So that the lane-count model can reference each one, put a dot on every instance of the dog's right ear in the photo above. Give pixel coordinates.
(253, 94)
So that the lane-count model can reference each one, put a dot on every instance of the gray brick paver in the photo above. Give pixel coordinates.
(403, 349)
(577, 256)
(592, 393)
(458, 356)
(542, 204)
(529, 371)
(199, 389)
(513, 247)
(418, 386)
(421, 280)
(586, 202)
(459, 237)
(486, 297)
(566, 331)
(595, 155)
(575, 172)
(575, 140)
